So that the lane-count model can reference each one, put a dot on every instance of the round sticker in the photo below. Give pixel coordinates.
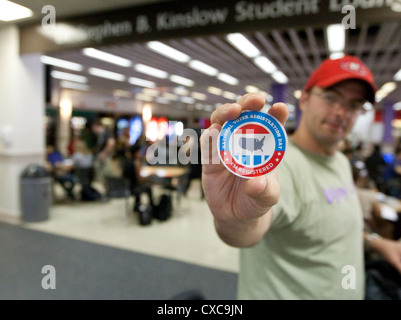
(252, 145)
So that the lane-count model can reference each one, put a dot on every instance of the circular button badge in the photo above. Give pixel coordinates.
(252, 145)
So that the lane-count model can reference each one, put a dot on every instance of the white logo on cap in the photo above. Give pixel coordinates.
(354, 67)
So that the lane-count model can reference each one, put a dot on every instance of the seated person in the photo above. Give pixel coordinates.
(60, 172)
(83, 160)
(131, 171)
(373, 209)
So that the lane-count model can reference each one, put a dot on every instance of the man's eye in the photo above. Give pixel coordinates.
(356, 105)
(331, 98)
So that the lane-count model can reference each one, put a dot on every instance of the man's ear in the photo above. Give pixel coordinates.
(303, 99)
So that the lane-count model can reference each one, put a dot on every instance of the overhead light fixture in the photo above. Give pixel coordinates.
(150, 92)
(141, 82)
(279, 77)
(336, 38)
(385, 90)
(170, 96)
(10, 11)
(388, 87)
(68, 76)
(240, 42)
(144, 97)
(181, 91)
(203, 67)
(151, 71)
(229, 95)
(250, 88)
(182, 80)
(265, 64)
(73, 85)
(397, 106)
(162, 100)
(336, 55)
(168, 51)
(227, 79)
(199, 96)
(397, 76)
(108, 57)
(61, 63)
(117, 93)
(188, 100)
(106, 74)
(214, 90)
(297, 94)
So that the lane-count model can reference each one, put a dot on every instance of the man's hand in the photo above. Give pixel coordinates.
(390, 251)
(238, 205)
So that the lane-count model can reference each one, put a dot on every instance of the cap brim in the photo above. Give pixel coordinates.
(370, 88)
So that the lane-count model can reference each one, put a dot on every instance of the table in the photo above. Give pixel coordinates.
(163, 171)
(172, 178)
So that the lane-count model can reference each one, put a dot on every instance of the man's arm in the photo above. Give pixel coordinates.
(241, 207)
(389, 249)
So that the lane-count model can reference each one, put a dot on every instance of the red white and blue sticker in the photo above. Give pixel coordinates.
(252, 145)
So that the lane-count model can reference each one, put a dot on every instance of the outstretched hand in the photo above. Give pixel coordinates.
(232, 198)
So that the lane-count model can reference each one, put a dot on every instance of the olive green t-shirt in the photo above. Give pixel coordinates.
(314, 247)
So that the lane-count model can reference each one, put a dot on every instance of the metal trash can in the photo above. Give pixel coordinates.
(35, 193)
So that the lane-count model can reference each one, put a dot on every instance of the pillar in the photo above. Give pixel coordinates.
(387, 122)
(22, 121)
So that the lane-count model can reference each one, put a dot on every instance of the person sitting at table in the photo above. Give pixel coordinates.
(372, 207)
(60, 172)
(138, 184)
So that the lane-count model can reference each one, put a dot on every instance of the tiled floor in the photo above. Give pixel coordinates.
(188, 236)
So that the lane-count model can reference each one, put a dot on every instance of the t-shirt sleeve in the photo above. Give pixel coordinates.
(289, 205)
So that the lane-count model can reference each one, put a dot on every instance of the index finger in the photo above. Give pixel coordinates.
(231, 111)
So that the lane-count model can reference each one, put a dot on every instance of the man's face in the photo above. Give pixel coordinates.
(330, 114)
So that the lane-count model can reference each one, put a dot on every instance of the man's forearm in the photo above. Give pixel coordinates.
(243, 234)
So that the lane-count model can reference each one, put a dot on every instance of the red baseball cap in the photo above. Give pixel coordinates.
(332, 71)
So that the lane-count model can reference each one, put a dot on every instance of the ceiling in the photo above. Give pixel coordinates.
(296, 52)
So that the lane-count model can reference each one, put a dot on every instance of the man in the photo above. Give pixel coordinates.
(61, 172)
(300, 231)
(104, 149)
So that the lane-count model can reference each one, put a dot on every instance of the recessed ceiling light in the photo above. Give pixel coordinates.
(108, 57)
(74, 85)
(336, 37)
(227, 79)
(61, 63)
(68, 76)
(240, 42)
(106, 74)
(168, 51)
(265, 64)
(181, 80)
(10, 11)
(203, 67)
(151, 71)
(279, 77)
(141, 82)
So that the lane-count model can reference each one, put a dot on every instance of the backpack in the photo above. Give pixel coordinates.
(145, 215)
(164, 208)
(90, 194)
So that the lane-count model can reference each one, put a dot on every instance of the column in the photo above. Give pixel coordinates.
(22, 109)
(387, 122)
(278, 92)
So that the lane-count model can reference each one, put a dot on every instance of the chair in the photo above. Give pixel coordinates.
(118, 187)
(179, 188)
(84, 176)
